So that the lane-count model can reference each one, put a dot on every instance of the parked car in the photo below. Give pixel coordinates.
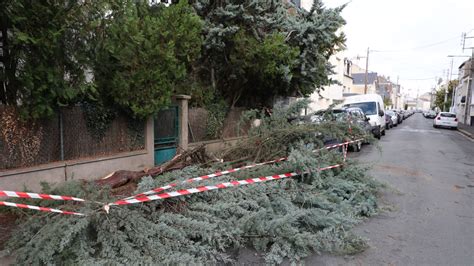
(353, 116)
(406, 114)
(388, 121)
(445, 119)
(373, 107)
(430, 114)
(399, 116)
(393, 117)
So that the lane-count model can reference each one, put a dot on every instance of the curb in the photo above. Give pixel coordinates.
(467, 134)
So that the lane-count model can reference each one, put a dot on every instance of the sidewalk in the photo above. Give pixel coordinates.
(466, 130)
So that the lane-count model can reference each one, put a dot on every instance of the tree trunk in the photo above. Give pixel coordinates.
(121, 178)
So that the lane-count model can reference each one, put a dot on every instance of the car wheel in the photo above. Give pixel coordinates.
(435, 126)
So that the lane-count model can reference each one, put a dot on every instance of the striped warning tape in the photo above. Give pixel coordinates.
(142, 197)
(31, 207)
(200, 189)
(164, 195)
(330, 167)
(216, 174)
(338, 145)
(29, 195)
(221, 173)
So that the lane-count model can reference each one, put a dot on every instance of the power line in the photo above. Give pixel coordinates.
(419, 47)
(419, 79)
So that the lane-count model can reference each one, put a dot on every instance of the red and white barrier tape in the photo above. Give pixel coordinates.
(31, 207)
(330, 167)
(207, 188)
(142, 197)
(338, 145)
(216, 174)
(28, 195)
(199, 189)
(221, 173)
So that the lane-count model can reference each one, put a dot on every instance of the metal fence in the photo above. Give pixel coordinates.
(65, 136)
(199, 125)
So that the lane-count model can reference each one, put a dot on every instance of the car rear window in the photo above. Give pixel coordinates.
(369, 108)
(447, 115)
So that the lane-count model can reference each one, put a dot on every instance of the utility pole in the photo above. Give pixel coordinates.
(366, 70)
(396, 94)
(447, 86)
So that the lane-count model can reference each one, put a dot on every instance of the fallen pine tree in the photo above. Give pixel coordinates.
(288, 218)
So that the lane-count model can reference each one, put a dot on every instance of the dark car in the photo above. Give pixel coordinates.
(430, 114)
(354, 116)
(351, 115)
(388, 121)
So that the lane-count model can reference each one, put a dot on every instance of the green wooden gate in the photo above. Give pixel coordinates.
(166, 128)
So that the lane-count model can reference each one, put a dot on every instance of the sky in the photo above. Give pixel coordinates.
(409, 39)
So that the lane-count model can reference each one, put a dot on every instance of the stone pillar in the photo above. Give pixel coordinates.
(182, 101)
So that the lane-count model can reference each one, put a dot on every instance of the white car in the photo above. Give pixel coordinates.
(393, 116)
(373, 107)
(445, 119)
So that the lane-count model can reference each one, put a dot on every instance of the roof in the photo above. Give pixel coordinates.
(359, 78)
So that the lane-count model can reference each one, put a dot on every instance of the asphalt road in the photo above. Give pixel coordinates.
(431, 173)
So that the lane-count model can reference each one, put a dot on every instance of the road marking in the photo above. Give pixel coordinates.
(421, 130)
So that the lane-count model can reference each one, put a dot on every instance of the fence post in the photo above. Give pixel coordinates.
(61, 134)
(182, 101)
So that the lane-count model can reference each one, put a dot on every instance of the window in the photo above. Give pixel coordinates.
(447, 115)
(369, 108)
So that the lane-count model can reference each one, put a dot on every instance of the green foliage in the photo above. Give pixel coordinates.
(284, 129)
(254, 51)
(44, 55)
(387, 101)
(282, 219)
(131, 55)
(145, 51)
(316, 33)
(440, 95)
(215, 119)
(98, 118)
(285, 219)
(263, 68)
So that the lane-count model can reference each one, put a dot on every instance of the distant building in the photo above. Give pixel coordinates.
(358, 85)
(385, 89)
(463, 106)
(425, 101)
(357, 69)
(333, 94)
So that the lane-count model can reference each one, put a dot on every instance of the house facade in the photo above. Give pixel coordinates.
(333, 94)
(385, 89)
(463, 104)
(358, 85)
